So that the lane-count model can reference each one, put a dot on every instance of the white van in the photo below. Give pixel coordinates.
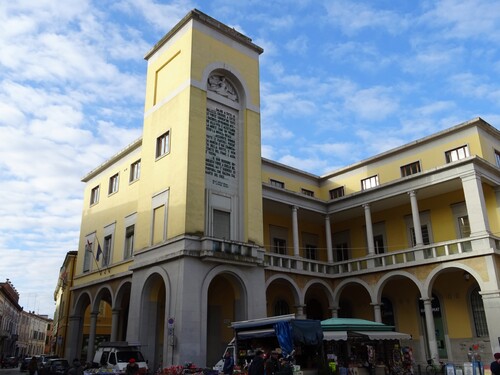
(231, 347)
(116, 355)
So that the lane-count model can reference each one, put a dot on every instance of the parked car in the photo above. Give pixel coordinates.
(55, 366)
(24, 364)
(43, 360)
(10, 362)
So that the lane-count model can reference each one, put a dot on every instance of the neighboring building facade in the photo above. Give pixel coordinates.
(62, 299)
(10, 313)
(189, 229)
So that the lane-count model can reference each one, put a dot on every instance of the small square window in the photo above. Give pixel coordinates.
(113, 184)
(457, 154)
(409, 169)
(369, 182)
(309, 193)
(277, 183)
(337, 192)
(135, 170)
(163, 144)
(94, 195)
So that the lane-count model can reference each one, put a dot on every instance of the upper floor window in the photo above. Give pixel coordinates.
(113, 184)
(309, 193)
(369, 182)
(129, 241)
(337, 192)
(279, 246)
(163, 144)
(409, 169)
(135, 170)
(457, 154)
(277, 183)
(497, 157)
(341, 252)
(94, 195)
(106, 254)
(312, 252)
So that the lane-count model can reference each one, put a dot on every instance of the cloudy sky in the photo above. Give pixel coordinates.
(341, 80)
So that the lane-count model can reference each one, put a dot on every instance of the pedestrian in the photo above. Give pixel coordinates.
(272, 364)
(495, 365)
(77, 368)
(228, 367)
(132, 367)
(33, 366)
(257, 365)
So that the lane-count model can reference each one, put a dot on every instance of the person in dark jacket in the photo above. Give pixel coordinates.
(257, 365)
(228, 367)
(495, 365)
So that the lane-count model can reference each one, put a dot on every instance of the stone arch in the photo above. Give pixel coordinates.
(379, 286)
(326, 289)
(350, 307)
(120, 311)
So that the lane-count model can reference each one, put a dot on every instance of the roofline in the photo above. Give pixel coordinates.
(201, 17)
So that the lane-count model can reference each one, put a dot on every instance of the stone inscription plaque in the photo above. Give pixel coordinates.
(221, 155)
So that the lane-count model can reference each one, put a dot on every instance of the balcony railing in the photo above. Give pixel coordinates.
(436, 252)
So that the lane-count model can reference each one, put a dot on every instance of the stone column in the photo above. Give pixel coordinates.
(431, 329)
(295, 231)
(415, 214)
(300, 312)
(115, 318)
(328, 231)
(491, 302)
(377, 313)
(73, 337)
(476, 208)
(92, 329)
(334, 311)
(369, 229)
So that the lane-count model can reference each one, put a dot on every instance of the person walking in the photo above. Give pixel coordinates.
(228, 367)
(495, 365)
(77, 368)
(132, 367)
(33, 366)
(272, 364)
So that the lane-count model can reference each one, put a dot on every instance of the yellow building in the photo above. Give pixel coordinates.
(188, 228)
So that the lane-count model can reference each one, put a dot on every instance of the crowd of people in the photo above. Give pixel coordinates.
(272, 364)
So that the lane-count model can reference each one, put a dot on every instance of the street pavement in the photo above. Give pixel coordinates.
(12, 371)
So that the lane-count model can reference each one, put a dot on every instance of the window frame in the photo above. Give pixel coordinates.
(114, 182)
(279, 246)
(94, 195)
(408, 169)
(370, 182)
(128, 250)
(135, 171)
(277, 183)
(455, 154)
(162, 145)
(106, 250)
(307, 192)
(337, 192)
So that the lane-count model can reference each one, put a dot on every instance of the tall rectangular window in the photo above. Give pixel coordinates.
(158, 225)
(277, 183)
(369, 182)
(88, 256)
(425, 235)
(378, 241)
(163, 144)
(309, 193)
(113, 184)
(341, 252)
(312, 252)
(457, 154)
(464, 226)
(135, 170)
(337, 192)
(94, 195)
(497, 157)
(106, 252)
(279, 246)
(409, 169)
(222, 224)
(129, 242)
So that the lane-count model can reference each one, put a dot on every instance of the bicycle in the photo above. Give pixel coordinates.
(434, 369)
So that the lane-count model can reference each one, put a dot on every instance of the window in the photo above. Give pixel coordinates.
(341, 252)
(279, 246)
(378, 241)
(113, 184)
(222, 224)
(497, 158)
(94, 195)
(309, 193)
(409, 169)
(457, 154)
(88, 254)
(425, 235)
(312, 252)
(129, 242)
(369, 182)
(464, 226)
(478, 314)
(277, 183)
(106, 252)
(135, 170)
(163, 144)
(337, 192)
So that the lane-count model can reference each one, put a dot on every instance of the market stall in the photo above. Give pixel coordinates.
(363, 347)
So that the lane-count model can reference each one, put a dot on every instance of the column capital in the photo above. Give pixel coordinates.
(412, 193)
(366, 206)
